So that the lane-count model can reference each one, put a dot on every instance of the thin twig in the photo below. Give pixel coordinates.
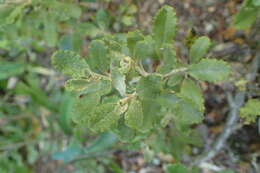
(175, 71)
(142, 72)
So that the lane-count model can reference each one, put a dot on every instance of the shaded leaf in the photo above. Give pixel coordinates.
(143, 49)
(98, 59)
(82, 107)
(188, 112)
(134, 115)
(132, 38)
(104, 117)
(149, 87)
(103, 18)
(169, 61)
(192, 91)
(175, 80)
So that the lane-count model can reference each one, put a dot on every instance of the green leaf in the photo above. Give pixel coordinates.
(149, 87)
(9, 69)
(125, 133)
(132, 38)
(118, 81)
(175, 80)
(250, 111)
(102, 87)
(169, 100)
(177, 168)
(98, 59)
(211, 70)
(103, 18)
(188, 112)
(71, 42)
(192, 91)
(104, 117)
(199, 49)
(76, 84)
(143, 49)
(134, 115)
(82, 107)
(246, 16)
(169, 61)
(64, 110)
(164, 26)
(69, 63)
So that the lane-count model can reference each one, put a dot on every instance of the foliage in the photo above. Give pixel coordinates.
(131, 87)
(141, 99)
(250, 110)
(247, 15)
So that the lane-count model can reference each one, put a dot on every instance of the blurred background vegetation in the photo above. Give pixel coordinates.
(36, 133)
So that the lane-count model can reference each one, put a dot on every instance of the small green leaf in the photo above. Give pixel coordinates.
(246, 16)
(118, 80)
(134, 115)
(188, 112)
(65, 112)
(211, 70)
(149, 87)
(192, 91)
(69, 63)
(175, 80)
(169, 61)
(104, 117)
(250, 111)
(143, 49)
(76, 84)
(81, 109)
(169, 100)
(125, 133)
(164, 26)
(103, 19)
(132, 38)
(98, 59)
(199, 49)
